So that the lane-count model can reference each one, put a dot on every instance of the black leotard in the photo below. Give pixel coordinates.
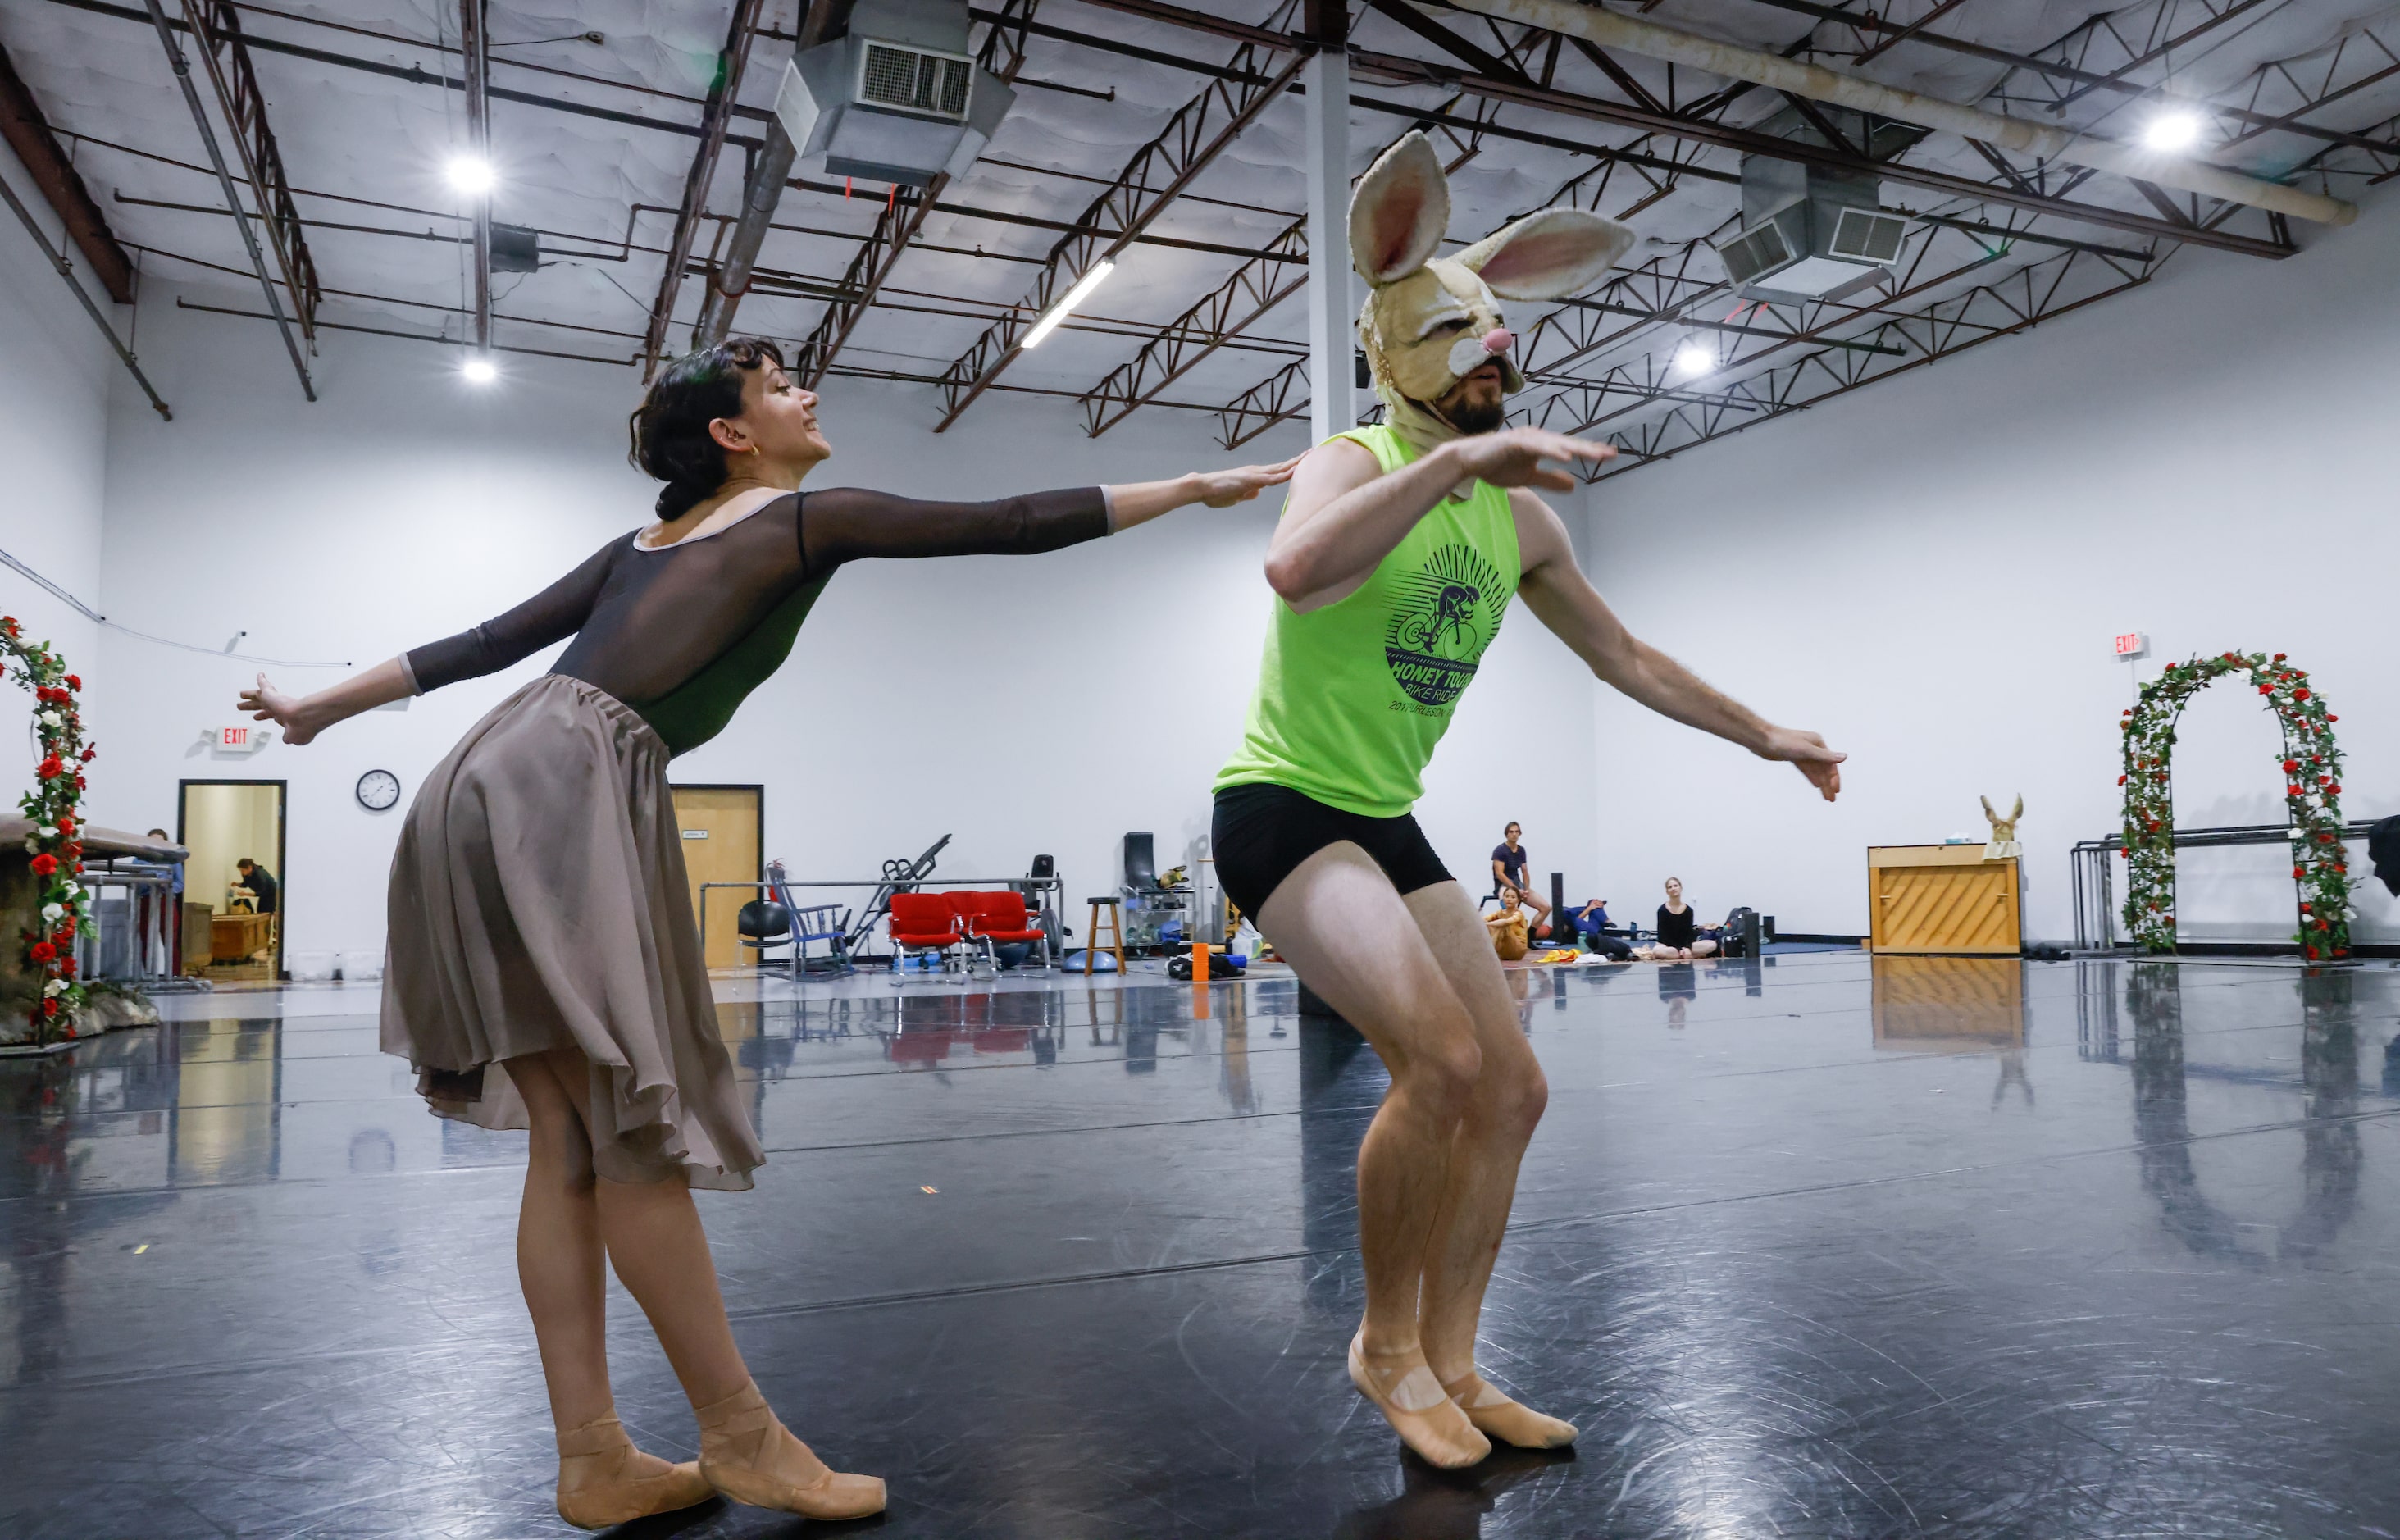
(1677, 930)
(682, 633)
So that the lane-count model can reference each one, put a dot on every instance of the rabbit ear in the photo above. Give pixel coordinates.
(2019, 809)
(1987, 807)
(1548, 255)
(1400, 212)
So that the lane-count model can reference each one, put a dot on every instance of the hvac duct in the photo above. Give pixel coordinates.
(899, 99)
(1811, 232)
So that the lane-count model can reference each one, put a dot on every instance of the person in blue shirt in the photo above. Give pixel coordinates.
(1509, 859)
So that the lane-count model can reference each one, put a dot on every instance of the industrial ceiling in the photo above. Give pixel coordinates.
(627, 135)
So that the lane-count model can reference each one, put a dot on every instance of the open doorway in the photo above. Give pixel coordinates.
(724, 840)
(234, 832)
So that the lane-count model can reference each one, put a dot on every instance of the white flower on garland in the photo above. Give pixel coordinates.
(46, 832)
(51, 718)
(50, 912)
(55, 987)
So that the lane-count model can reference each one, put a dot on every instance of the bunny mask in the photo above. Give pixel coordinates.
(1431, 321)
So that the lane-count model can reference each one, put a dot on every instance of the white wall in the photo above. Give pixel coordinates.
(1930, 572)
(1073, 696)
(54, 390)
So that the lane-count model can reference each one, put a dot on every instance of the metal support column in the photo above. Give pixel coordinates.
(474, 47)
(1332, 319)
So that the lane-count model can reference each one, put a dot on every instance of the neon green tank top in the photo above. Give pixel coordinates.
(1352, 696)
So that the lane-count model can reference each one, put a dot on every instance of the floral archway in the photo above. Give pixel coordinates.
(2312, 768)
(55, 846)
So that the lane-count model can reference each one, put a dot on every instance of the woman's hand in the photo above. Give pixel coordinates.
(266, 703)
(1514, 456)
(1224, 488)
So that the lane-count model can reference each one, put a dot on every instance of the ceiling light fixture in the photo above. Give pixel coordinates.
(1065, 308)
(1695, 359)
(2173, 132)
(471, 175)
(479, 371)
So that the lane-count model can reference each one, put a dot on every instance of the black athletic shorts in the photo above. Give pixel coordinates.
(1260, 832)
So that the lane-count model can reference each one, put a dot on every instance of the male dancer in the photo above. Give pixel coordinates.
(1397, 553)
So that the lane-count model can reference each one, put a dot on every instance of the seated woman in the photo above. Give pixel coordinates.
(1507, 927)
(1679, 930)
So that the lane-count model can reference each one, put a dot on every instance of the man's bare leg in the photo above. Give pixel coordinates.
(1501, 1114)
(1345, 930)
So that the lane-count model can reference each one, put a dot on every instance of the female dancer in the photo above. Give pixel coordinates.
(540, 924)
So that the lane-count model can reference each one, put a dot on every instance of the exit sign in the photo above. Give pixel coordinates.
(233, 737)
(2131, 645)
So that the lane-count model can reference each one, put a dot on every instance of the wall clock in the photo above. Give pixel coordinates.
(378, 791)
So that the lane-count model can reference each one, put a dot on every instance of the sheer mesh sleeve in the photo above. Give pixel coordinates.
(554, 614)
(847, 523)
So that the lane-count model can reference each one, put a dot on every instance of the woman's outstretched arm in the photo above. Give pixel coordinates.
(302, 718)
(553, 615)
(850, 523)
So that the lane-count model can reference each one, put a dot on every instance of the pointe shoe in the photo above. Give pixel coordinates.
(1508, 1421)
(750, 1457)
(1404, 1390)
(604, 1480)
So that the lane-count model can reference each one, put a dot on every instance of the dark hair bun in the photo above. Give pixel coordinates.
(669, 429)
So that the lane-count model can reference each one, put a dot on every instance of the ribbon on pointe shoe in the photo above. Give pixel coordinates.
(1405, 1391)
(604, 1480)
(1508, 1421)
(751, 1457)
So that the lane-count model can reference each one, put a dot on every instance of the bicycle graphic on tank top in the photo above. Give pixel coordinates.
(1442, 618)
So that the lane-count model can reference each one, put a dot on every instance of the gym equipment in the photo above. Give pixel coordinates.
(762, 925)
(899, 876)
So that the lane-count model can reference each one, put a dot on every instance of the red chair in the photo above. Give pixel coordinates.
(924, 922)
(1002, 916)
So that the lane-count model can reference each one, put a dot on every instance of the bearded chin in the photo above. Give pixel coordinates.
(1471, 416)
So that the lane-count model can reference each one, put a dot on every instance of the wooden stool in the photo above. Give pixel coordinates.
(1107, 907)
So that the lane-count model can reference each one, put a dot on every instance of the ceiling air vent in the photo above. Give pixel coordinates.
(1759, 249)
(1813, 231)
(899, 99)
(910, 81)
(1868, 235)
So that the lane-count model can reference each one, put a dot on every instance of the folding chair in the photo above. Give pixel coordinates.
(924, 922)
(1002, 918)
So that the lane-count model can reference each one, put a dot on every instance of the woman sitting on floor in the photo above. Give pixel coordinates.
(1507, 927)
(1679, 930)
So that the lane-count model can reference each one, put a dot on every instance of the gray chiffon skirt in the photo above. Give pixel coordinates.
(538, 901)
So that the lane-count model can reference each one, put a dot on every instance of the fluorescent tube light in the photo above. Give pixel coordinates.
(1066, 307)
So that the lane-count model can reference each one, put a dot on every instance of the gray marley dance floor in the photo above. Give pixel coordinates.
(1818, 1247)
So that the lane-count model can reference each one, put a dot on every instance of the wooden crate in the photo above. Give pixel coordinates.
(1943, 898)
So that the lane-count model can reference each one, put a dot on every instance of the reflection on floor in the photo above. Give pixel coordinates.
(1822, 1246)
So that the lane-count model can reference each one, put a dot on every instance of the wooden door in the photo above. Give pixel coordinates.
(723, 842)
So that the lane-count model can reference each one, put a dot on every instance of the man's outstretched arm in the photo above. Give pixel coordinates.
(1556, 590)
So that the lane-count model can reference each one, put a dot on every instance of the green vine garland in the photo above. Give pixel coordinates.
(2312, 767)
(56, 844)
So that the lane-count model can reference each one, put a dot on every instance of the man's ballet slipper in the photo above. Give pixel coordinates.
(604, 1480)
(1412, 1400)
(750, 1457)
(1505, 1420)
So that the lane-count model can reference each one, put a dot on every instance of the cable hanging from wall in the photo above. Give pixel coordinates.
(94, 615)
